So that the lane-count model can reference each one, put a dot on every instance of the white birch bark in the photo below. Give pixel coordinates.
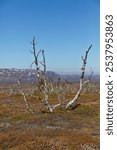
(45, 89)
(24, 97)
(36, 60)
(73, 102)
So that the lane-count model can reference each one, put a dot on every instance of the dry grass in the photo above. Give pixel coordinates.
(63, 130)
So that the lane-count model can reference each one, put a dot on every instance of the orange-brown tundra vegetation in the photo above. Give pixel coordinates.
(77, 129)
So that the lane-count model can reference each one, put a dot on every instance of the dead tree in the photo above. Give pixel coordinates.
(24, 96)
(60, 91)
(36, 55)
(45, 88)
(43, 81)
(51, 83)
(41, 76)
(72, 104)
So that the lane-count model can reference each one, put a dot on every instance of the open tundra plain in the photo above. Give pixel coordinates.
(76, 129)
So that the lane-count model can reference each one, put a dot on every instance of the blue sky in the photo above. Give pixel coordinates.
(64, 28)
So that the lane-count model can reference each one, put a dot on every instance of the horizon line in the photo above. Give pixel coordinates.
(57, 72)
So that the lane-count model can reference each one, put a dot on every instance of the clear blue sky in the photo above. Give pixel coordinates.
(64, 28)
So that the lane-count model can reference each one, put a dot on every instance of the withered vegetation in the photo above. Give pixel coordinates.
(62, 130)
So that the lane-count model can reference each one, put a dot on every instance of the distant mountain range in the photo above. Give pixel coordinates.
(29, 76)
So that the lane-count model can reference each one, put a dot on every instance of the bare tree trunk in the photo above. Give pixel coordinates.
(36, 60)
(42, 84)
(72, 103)
(24, 97)
(45, 90)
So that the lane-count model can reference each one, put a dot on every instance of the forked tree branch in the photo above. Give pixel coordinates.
(72, 103)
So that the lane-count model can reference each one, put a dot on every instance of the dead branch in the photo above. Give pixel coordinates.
(72, 103)
(24, 96)
(45, 90)
(68, 82)
(36, 55)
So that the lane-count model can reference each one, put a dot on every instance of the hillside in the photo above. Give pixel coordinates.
(29, 76)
